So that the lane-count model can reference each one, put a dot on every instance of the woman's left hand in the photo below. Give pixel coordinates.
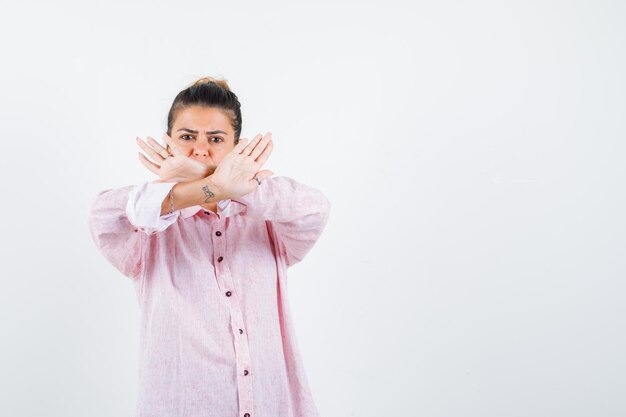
(176, 167)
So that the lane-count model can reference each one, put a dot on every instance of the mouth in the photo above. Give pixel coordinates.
(204, 161)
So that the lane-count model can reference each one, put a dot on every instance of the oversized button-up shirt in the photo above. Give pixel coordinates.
(217, 337)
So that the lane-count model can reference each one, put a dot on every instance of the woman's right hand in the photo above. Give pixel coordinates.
(175, 167)
(234, 175)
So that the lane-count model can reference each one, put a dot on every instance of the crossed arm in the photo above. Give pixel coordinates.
(233, 177)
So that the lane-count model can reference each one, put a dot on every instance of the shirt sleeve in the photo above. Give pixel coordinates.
(296, 214)
(143, 207)
(115, 237)
(120, 238)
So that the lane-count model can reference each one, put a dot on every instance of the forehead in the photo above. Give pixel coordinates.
(203, 119)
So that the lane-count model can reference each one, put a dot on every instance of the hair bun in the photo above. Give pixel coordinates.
(208, 92)
(208, 80)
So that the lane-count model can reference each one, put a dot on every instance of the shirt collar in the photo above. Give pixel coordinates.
(225, 208)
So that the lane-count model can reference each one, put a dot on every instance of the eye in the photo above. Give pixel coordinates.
(186, 136)
(218, 139)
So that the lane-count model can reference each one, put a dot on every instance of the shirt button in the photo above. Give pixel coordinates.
(220, 259)
(240, 331)
(245, 372)
(246, 415)
(218, 233)
(228, 293)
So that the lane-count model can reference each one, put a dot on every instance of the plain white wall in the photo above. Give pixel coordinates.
(473, 152)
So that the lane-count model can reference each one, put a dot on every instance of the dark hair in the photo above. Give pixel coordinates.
(208, 92)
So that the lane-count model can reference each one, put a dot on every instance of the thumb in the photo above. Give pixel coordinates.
(262, 175)
(170, 145)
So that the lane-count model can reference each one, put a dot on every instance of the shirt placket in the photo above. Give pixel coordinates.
(240, 336)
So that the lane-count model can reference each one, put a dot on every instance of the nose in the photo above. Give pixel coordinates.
(201, 149)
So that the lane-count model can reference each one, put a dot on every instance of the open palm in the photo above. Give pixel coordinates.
(177, 167)
(235, 174)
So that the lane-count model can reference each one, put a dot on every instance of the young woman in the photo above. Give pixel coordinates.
(208, 246)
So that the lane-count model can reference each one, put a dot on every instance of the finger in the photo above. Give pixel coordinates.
(266, 153)
(148, 164)
(172, 144)
(157, 146)
(148, 149)
(240, 145)
(246, 151)
(260, 147)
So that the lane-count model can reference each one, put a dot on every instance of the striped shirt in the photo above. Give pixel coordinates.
(217, 337)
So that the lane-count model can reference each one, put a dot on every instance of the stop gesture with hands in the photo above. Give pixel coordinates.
(235, 175)
(175, 167)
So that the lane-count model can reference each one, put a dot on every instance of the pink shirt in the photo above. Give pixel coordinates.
(217, 337)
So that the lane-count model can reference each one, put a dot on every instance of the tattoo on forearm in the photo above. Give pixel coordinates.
(208, 193)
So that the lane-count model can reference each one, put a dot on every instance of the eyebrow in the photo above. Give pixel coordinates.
(211, 132)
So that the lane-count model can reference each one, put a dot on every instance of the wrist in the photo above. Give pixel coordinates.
(206, 171)
(212, 190)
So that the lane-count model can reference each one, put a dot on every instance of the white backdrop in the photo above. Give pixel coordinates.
(473, 152)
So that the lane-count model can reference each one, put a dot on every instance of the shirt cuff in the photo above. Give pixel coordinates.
(144, 207)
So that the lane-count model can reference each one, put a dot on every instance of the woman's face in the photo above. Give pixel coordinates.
(203, 133)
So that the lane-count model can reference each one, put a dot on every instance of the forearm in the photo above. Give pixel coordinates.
(296, 215)
(282, 199)
(192, 193)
